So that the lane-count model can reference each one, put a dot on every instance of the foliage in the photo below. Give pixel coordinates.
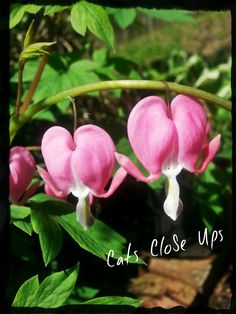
(52, 292)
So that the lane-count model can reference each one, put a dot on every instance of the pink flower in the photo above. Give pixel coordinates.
(81, 165)
(166, 140)
(22, 168)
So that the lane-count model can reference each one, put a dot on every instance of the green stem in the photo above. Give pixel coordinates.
(21, 65)
(17, 122)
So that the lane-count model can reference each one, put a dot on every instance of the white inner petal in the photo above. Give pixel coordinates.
(80, 190)
(173, 205)
(83, 214)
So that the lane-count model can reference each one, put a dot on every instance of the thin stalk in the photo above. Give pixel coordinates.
(33, 148)
(168, 99)
(35, 82)
(17, 122)
(74, 113)
(21, 65)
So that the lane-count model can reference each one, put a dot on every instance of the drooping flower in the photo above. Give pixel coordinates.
(22, 168)
(168, 139)
(81, 165)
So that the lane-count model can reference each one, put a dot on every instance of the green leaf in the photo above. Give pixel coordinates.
(51, 293)
(45, 115)
(86, 293)
(26, 293)
(114, 300)
(45, 88)
(134, 75)
(79, 73)
(217, 209)
(99, 239)
(50, 233)
(18, 11)
(78, 77)
(51, 205)
(78, 19)
(63, 106)
(51, 9)
(95, 18)
(24, 225)
(32, 8)
(56, 289)
(169, 15)
(84, 65)
(109, 72)
(100, 56)
(125, 17)
(19, 212)
(16, 15)
(20, 218)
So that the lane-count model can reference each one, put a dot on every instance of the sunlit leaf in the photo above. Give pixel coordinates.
(85, 14)
(16, 15)
(19, 211)
(56, 289)
(27, 292)
(18, 11)
(124, 17)
(78, 19)
(51, 9)
(51, 293)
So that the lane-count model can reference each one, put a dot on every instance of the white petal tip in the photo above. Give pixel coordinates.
(173, 206)
(173, 213)
(86, 224)
(173, 217)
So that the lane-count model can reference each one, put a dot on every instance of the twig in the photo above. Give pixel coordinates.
(35, 82)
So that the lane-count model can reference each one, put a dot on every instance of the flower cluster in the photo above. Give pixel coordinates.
(164, 138)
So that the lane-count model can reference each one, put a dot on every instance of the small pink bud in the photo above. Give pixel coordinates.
(22, 168)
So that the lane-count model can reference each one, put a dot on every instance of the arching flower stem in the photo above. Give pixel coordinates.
(17, 122)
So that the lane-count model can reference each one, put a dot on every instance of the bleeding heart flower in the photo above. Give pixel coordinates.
(22, 168)
(81, 165)
(166, 140)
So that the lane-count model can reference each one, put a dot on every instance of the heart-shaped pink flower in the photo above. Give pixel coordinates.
(22, 168)
(81, 165)
(166, 140)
